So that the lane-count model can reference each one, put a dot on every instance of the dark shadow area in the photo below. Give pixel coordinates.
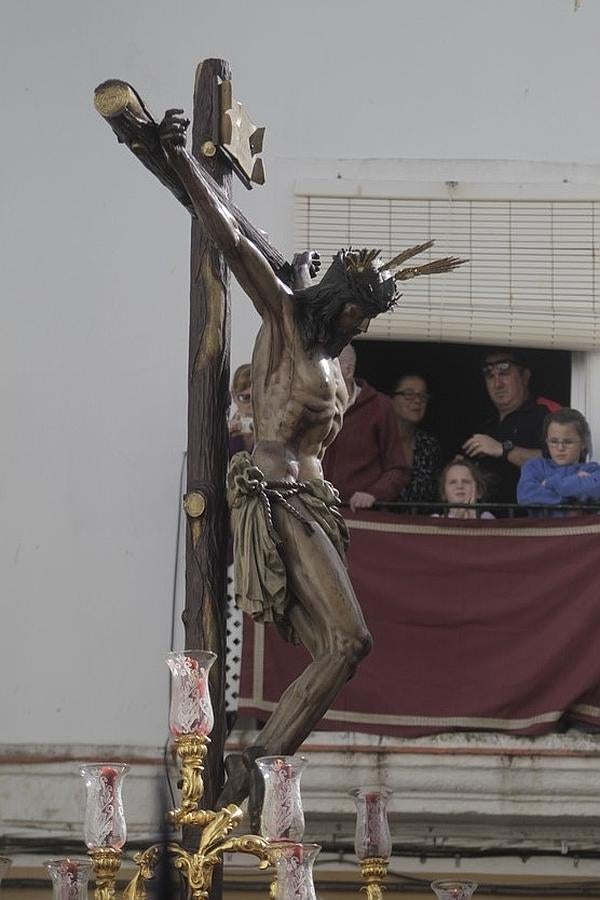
(459, 399)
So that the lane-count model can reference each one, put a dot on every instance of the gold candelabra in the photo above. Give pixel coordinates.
(282, 821)
(197, 866)
(191, 720)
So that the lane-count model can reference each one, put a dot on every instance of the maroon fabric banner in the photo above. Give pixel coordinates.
(476, 625)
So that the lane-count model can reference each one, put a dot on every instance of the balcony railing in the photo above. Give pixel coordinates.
(498, 510)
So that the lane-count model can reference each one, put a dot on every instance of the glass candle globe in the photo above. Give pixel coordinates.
(454, 890)
(282, 817)
(104, 824)
(69, 878)
(191, 710)
(372, 837)
(294, 866)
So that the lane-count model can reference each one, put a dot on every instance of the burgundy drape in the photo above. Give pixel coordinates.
(476, 625)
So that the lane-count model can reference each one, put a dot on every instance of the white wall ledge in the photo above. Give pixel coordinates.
(453, 784)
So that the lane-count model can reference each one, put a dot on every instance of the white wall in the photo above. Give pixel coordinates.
(94, 278)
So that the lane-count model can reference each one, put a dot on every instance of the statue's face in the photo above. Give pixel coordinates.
(352, 319)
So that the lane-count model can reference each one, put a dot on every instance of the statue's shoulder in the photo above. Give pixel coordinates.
(279, 316)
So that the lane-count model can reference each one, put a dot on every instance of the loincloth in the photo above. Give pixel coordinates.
(261, 587)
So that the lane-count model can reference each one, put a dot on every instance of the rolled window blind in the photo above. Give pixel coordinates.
(532, 279)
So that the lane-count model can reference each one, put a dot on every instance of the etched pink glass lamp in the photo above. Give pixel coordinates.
(454, 890)
(191, 709)
(372, 838)
(104, 827)
(282, 817)
(294, 871)
(191, 720)
(69, 878)
(104, 824)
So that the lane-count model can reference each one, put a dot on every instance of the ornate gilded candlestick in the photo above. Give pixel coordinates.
(104, 828)
(191, 720)
(372, 840)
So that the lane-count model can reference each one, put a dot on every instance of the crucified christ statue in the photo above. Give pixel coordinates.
(289, 538)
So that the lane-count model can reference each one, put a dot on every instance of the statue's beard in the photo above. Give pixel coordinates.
(320, 328)
(336, 344)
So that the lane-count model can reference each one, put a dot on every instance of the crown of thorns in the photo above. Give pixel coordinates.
(373, 282)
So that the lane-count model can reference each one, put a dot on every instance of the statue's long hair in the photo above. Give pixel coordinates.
(361, 277)
(351, 278)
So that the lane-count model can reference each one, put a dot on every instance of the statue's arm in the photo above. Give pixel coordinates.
(250, 267)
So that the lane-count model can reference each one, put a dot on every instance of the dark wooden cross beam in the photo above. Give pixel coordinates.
(130, 119)
(219, 136)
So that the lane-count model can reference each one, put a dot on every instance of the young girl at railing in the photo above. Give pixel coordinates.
(562, 475)
(462, 482)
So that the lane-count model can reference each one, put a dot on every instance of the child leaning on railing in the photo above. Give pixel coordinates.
(562, 474)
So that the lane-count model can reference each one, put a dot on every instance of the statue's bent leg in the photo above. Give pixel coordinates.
(328, 620)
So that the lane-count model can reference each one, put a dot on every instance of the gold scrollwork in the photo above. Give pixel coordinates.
(146, 862)
(106, 862)
(373, 871)
(196, 867)
(191, 749)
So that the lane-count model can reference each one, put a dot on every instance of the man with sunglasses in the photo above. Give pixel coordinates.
(515, 433)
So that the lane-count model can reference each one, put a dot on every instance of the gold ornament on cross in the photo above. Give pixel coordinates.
(240, 139)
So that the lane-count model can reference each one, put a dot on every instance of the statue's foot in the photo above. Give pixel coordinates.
(256, 793)
(237, 785)
(244, 780)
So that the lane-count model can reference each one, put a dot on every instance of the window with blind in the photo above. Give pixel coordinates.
(531, 280)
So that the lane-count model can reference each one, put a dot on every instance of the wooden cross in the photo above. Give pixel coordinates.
(223, 139)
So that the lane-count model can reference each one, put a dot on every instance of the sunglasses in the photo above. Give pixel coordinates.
(499, 367)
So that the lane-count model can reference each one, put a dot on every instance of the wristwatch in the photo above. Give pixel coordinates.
(507, 446)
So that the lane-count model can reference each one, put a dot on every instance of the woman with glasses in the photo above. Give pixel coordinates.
(241, 424)
(420, 449)
(562, 474)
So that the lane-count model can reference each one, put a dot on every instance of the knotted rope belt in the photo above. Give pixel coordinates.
(280, 492)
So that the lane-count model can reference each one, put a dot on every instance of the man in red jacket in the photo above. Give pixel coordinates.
(365, 462)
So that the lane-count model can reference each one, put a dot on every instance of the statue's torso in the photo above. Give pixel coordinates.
(299, 401)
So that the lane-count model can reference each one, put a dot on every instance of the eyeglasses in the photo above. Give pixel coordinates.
(498, 367)
(419, 396)
(244, 398)
(562, 442)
